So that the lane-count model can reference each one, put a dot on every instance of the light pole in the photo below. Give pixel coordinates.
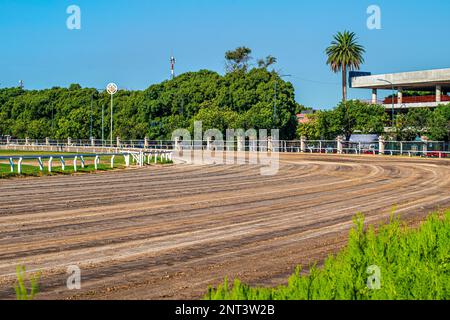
(393, 99)
(275, 97)
(103, 124)
(90, 129)
(112, 115)
(112, 90)
(53, 120)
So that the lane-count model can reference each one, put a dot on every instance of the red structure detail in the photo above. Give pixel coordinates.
(416, 99)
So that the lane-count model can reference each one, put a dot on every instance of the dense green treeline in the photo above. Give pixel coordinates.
(238, 99)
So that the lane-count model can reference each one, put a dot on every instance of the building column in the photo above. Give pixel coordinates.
(438, 93)
(400, 96)
(374, 96)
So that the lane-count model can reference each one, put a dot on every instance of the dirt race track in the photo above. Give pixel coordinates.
(170, 232)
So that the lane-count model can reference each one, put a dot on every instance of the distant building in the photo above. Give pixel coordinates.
(303, 117)
(437, 82)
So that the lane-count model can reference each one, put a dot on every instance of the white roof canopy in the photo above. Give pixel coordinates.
(418, 80)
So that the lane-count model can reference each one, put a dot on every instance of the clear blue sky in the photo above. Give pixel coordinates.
(130, 42)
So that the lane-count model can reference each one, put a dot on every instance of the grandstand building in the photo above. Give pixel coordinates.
(416, 89)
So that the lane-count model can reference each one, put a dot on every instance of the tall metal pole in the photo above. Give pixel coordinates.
(53, 119)
(393, 105)
(90, 129)
(111, 89)
(393, 100)
(103, 124)
(275, 104)
(111, 120)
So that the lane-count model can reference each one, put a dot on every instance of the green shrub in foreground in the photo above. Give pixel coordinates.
(21, 289)
(414, 264)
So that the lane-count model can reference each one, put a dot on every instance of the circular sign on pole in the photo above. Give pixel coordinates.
(111, 88)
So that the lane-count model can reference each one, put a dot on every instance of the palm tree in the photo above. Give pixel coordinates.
(345, 54)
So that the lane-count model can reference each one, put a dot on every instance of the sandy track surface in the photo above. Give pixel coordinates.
(170, 232)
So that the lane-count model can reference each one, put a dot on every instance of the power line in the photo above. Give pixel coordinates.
(316, 81)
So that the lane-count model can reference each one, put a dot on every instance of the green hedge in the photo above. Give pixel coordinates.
(413, 263)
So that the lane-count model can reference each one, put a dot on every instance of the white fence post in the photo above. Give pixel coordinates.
(41, 165)
(63, 163)
(141, 159)
(303, 144)
(425, 146)
(340, 149)
(381, 146)
(50, 160)
(11, 163)
(19, 166)
(75, 163)
(96, 161)
(112, 161)
(240, 143)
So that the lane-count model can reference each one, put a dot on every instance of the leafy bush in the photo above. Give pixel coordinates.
(414, 264)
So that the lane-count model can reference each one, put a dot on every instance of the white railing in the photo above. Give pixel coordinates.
(138, 157)
(62, 158)
(436, 149)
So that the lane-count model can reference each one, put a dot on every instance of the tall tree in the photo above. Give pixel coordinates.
(238, 59)
(345, 54)
(267, 62)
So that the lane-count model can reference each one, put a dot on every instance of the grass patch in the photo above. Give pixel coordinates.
(34, 171)
(31, 167)
(395, 263)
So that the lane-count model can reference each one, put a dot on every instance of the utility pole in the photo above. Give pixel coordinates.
(172, 66)
(90, 129)
(53, 118)
(103, 124)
